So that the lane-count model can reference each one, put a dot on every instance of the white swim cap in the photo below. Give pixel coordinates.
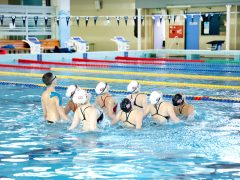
(71, 90)
(101, 87)
(80, 96)
(133, 86)
(156, 97)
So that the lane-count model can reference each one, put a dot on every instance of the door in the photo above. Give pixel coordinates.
(192, 32)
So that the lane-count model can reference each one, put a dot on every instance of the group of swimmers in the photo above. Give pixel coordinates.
(133, 109)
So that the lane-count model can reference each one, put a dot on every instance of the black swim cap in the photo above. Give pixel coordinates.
(177, 100)
(126, 105)
(48, 78)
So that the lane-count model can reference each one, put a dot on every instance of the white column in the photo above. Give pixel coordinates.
(62, 11)
(228, 25)
(139, 40)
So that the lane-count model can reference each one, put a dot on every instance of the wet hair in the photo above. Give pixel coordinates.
(177, 99)
(126, 105)
(48, 78)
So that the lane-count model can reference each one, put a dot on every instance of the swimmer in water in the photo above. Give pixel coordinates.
(138, 99)
(105, 100)
(85, 112)
(161, 110)
(71, 106)
(132, 118)
(181, 107)
(51, 100)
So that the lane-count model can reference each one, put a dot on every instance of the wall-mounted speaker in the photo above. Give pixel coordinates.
(98, 4)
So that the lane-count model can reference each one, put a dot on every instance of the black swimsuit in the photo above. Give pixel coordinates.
(157, 108)
(180, 110)
(134, 102)
(100, 118)
(127, 116)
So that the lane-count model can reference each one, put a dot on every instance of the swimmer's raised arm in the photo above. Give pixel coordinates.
(110, 110)
(76, 120)
(92, 116)
(138, 120)
(60, 110)
(44, 108)
(117, 118)
(67, 108)
(172, 114)
(144, 105)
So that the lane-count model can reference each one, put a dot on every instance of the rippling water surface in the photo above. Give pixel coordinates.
(207, 146)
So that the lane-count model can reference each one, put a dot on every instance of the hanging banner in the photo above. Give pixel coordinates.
(86, 20)
(95, 20)
(46, 20)
(118, 20)
(78, 19)
(126, 19)
(108, 20)
(35, 20)
(24, 20)
(142, 19)
(13, 20)
(176, 31)
(1, 19)
(57, 20)
(160, 18)
(67, 20)
(174, 19)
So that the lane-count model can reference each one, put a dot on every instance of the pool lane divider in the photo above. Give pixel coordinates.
(113, 62)
(146, 74)
(143, 82)
(26, 61)
(24, 67)
(158, 59)
(92, 90)
(123, 67)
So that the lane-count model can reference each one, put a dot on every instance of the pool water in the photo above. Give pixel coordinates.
(206, 146)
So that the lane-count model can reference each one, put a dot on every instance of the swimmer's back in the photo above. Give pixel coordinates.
(50, 106)
(132, 119)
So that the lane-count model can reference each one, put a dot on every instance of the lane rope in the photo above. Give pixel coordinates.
(161, 59)
(223, 78)
(117, 66)
(92, 90)
(171, 84)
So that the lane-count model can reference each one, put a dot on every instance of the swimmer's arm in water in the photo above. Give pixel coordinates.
(191, 111)
(110, 110)
(76, 120)
(117, 118)
(44, 108)
(92, 118)
(138, 120)
(147, 111)
(172, 114)
(144, 105)
(67, 108)
(60, 109)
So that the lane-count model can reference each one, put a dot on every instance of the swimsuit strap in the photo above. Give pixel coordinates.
(180, 110)
(157, 109)
(134, 103)
(83, 114)
(103, 100)
(127, 116)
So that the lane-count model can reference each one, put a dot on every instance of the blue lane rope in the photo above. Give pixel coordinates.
(194, 98)
(178, 69)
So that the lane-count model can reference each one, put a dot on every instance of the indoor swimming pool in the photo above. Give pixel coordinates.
(206, 146)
